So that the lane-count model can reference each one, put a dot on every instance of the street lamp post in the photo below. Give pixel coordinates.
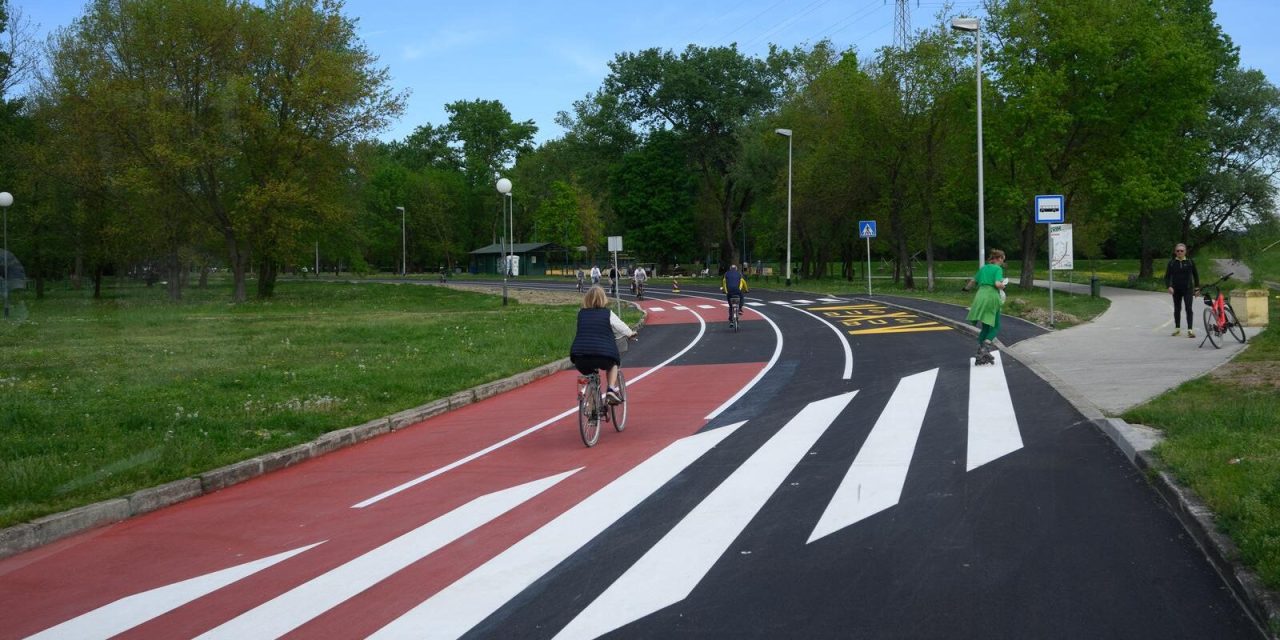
(404, 263)
(972, 25)
(5, 200)
(504, 187)
(787, 133)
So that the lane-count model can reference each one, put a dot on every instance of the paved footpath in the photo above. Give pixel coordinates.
(1125, 356)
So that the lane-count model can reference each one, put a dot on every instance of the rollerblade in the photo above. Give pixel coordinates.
(984, 354)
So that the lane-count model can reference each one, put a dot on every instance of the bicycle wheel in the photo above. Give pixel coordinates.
(1211, 328)
(1233, 324)
(618, 412)
(589, 414)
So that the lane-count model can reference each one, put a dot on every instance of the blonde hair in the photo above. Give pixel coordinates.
(595, 298)
(995, 254)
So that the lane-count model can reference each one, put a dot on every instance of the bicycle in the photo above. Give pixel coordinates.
(1219, 317)
(592, 408)
(638, 286)
(734, 311)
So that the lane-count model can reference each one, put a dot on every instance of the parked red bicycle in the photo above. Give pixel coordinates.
(1219, 318)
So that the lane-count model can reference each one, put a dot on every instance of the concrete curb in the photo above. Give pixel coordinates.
(1137, 443)
(51, 528)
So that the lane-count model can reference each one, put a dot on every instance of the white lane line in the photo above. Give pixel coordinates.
(781, 302)
(679, 307)
(753, 304)
(656, 309)
(708, 306)
(777, 352)
(830, 300)
(127, 613)
(702, 330)
(803, 302)
(303, 603)
(668, 572)
(840, 337)
(993, 427)
(875, 479)
(460, 606)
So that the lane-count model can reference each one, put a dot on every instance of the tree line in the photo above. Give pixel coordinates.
(178, 136)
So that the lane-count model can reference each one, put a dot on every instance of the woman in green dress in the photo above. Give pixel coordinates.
(985, 311)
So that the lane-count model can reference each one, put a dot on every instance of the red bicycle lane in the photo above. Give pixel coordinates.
(312, 504)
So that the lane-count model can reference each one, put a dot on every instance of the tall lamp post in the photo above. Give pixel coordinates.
(972, 25)
(787, 133)
(404, 263)
(5, 200)
(504, 187)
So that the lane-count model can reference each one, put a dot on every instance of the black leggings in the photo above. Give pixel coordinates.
(1182, 299)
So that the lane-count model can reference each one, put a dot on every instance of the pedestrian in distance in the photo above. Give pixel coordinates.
(985, 311)
(595, 344)
(1183, 282)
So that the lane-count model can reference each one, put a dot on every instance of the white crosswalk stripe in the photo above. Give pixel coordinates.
(803, 302)
(303, 603)
(754, 304)
(993, 427)
(678, 562)
(463, 604)
(878, 473)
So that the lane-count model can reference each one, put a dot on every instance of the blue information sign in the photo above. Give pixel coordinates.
(866, 228)
(1051, 209)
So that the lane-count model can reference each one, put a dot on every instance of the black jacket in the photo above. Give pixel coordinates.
(1181, 274)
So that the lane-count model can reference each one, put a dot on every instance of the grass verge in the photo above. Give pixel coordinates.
(99, 398)
(1223, 441)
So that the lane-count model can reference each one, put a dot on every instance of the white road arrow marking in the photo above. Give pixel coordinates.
(127, 613)
(298, 606)
(875, 479)
(993, 427)
(670, 570)
(462, 605)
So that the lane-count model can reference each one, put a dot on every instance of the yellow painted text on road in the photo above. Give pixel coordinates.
(870, 318)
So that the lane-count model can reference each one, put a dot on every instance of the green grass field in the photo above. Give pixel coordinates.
(101, 398)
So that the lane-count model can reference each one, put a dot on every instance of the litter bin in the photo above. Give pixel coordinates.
(1095, 286)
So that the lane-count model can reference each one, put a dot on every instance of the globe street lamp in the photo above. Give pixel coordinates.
(404, 265)
(971, 25)
(787, 133)
(5, 200)
(504, 187)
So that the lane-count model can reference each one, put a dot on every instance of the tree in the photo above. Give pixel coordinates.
(705, 96)
(241, 116)
(654, 195)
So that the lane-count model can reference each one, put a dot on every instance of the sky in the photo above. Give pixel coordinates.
(539, 56)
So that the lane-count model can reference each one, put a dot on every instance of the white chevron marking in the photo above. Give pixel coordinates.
(303, 603)
(993, 427)
(129, 612)
(460, 606)
(875, 479)
(670, 570)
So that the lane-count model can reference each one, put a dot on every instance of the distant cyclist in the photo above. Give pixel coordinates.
(595, 345)
(581, 277)
(638, 278)
(734, 284)
(595, 274)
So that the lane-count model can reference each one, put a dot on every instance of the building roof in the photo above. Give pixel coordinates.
(519, 247)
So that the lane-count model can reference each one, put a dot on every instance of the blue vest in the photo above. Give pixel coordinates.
(595, 335)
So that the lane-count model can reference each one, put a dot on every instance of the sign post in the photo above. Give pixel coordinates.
(867, 229)
(615, 245)
(1052, 210)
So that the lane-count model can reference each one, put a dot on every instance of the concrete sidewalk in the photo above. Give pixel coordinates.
(1125, 356)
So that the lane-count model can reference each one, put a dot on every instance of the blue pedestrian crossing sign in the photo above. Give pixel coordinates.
(866, 228)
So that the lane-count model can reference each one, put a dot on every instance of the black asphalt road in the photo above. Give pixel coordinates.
(1061, 538)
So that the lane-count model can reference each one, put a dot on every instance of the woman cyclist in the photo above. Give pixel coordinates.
(595, 346)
